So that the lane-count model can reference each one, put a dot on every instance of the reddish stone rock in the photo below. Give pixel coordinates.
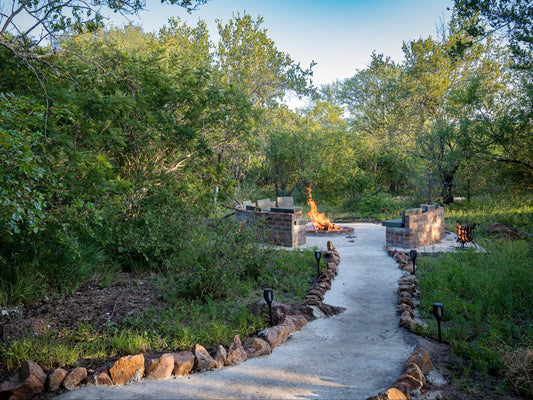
(277, 335)
(183, 363)
(127, 369)
(74, 378)
(326, 283)
(407, 267)
(421, 358)
(407, 280)
(330, 246)
(203, 360)
(328, 273)
(392, 394)
(312, 300)
(160, 368)
(256, 347)
(55, 379)
(406, 299)
(404, 307)
(415, 371)
(299, 321)
(236, 353)
(221, 357)
(407, 288)
(401, 258)
(317, 293)
(320, 289)
(413, 383)
(333, 259)
(405, 319)
(404, 388)
(330, 310)
(29, 382)
(100, 377)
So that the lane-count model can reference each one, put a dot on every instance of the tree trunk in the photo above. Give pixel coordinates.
(447, 182)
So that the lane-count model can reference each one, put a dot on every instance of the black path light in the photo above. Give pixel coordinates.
(268, 294)
(438, 312)
(318, 256)
(413, 254)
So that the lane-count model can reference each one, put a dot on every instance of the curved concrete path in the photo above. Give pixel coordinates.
(353, 355)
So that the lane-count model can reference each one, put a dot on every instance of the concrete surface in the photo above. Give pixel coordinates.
(353, 355)
(449, 244)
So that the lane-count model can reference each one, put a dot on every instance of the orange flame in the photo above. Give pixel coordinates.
(319, 220)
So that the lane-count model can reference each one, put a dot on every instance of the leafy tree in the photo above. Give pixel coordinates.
(33, 30)
(249, 59)
(511, 17)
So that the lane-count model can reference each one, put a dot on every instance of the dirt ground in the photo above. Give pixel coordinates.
(92, 302)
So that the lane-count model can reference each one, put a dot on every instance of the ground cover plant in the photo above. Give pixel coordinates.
(488, 299)
(202, 295)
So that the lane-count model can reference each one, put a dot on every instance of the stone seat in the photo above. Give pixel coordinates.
(394, 223)
(286, 210)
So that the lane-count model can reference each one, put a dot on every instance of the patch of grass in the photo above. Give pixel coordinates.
(207, 289)
(488, 299)
(514, 211)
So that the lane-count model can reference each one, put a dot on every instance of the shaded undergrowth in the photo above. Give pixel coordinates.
(206, 289)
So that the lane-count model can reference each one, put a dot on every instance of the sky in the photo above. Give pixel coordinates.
(339, 35)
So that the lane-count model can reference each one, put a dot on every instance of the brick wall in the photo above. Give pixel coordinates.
(422, 227)
(281, 229)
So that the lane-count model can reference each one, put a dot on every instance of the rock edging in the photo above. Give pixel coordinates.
(417, 366)
(32, 380)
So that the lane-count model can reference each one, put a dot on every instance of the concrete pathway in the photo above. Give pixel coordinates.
(353, 355)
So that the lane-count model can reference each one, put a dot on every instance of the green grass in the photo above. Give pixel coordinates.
(488, 296)
(207, 294)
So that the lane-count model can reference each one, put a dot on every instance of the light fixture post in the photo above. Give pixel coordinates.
(318, 256)
(413, 254)
(438, 312)
(268, 294)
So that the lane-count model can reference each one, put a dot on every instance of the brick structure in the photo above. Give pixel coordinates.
(281, 228)
(418, 227)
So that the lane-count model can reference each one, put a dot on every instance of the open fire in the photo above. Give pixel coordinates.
(320, 223)
(319, 220)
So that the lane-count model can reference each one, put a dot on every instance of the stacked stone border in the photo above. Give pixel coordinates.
(31, 379)
(417, 366)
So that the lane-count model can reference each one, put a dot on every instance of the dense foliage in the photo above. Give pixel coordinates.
(121, 150)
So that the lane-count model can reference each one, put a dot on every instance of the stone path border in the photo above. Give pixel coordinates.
(418, 365)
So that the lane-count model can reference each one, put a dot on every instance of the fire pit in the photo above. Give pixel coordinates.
(311, 229)
(320, 224)
(465, 234)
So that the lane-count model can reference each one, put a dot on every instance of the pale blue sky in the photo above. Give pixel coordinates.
(339, 35)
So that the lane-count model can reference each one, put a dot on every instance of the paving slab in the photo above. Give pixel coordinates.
(449, 244)
(353, 355)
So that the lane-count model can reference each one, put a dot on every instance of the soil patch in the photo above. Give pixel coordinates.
(92, 303)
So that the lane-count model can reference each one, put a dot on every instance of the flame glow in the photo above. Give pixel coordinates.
(319, 220)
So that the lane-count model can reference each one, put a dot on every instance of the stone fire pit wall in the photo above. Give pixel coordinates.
(418, 227)
(281, 228)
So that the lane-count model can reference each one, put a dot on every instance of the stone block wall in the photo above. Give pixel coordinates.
(281, 229)
(422, 227)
